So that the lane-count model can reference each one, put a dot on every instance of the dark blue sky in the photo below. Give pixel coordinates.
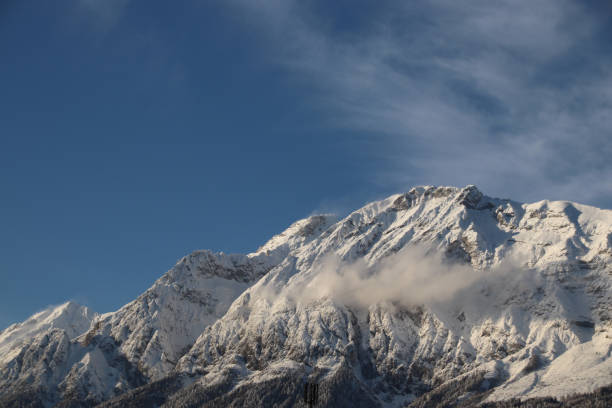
(133, 132)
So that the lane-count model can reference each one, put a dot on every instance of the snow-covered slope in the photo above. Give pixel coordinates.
(514, 298)
(157, 328)
(34, 354)
(70, 317)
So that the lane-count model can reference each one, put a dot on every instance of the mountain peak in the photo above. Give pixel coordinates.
(296, 234)
(70, 317)
(470, 196)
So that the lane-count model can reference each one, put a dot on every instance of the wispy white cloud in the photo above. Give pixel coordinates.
(509, 95)
(413, 276)
(104, 14)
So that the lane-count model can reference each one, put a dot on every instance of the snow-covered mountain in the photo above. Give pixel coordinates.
(69, 317)
(440, 290)
(140, 342)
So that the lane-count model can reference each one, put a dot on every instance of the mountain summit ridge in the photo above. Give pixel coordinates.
(247, 330)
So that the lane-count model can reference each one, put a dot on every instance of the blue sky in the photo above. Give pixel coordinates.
(133, 132)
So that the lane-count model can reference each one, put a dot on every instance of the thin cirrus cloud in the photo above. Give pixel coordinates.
(104, 14)
(513, 96)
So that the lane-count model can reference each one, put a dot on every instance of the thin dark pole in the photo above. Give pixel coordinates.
(311, 394)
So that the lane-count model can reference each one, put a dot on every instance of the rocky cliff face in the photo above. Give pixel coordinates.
(501, 300)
